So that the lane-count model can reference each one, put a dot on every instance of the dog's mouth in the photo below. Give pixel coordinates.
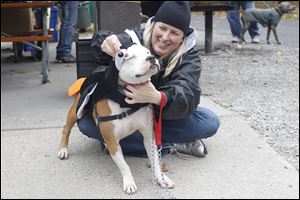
(152, 67)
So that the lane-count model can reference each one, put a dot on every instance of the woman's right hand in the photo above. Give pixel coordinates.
(111, 45)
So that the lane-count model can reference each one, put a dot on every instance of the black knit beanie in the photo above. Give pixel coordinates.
(175, 13)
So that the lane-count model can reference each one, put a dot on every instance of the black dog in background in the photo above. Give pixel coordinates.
(266, 17)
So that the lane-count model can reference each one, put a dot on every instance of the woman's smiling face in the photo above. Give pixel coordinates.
(166, 39)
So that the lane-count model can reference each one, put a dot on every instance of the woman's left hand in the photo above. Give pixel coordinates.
(142, 93)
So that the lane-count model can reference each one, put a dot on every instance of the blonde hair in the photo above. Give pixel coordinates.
(175, 57)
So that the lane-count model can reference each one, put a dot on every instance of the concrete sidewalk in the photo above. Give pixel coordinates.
(239, 164)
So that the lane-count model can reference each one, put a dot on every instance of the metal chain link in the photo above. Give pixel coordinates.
(153, 149)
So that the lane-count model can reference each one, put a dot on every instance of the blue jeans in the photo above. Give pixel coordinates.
(67, 27)
(233, 18)
(202, 123)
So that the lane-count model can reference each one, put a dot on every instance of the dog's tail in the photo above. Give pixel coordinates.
(75, 87)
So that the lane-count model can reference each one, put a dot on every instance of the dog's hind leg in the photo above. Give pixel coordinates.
(268, 34)
(71, 120)
(245, 27)
(275, 34)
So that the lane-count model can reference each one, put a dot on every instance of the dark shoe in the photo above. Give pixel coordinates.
(196, 148)
(65, 59)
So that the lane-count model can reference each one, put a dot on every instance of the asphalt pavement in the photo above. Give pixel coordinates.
(239, 164)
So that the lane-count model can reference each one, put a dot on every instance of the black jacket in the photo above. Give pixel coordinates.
(181, 86)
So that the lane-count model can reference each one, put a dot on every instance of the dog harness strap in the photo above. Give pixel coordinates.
(114, 117)
(158, 125)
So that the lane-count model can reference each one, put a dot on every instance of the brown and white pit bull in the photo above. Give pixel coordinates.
(136, 68)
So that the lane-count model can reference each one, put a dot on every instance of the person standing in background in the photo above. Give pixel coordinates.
(233, 17)
(66, 33)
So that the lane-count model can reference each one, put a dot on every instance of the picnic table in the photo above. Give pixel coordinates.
(209, 9)
(36, 35)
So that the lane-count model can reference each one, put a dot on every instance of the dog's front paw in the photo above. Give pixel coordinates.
(63, 153)
(129, 186)
(166, 182)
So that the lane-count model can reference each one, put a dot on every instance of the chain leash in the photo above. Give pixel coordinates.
(153, 149)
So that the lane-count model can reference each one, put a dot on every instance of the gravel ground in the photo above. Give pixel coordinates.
(261, 83)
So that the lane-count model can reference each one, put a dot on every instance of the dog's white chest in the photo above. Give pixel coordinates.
(139, 120)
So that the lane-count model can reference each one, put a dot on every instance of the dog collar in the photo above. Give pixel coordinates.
(275, 14)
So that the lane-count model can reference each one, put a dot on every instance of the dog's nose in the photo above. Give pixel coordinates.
(151, 59)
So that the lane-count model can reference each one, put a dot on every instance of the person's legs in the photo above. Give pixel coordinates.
(88, 127)
(133, 145)
(233, 18)
(185, 135)
(253, 29)
(67, 28)
(202, 123)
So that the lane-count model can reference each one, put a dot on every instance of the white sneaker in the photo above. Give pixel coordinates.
(236, 39)
(255, 39)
